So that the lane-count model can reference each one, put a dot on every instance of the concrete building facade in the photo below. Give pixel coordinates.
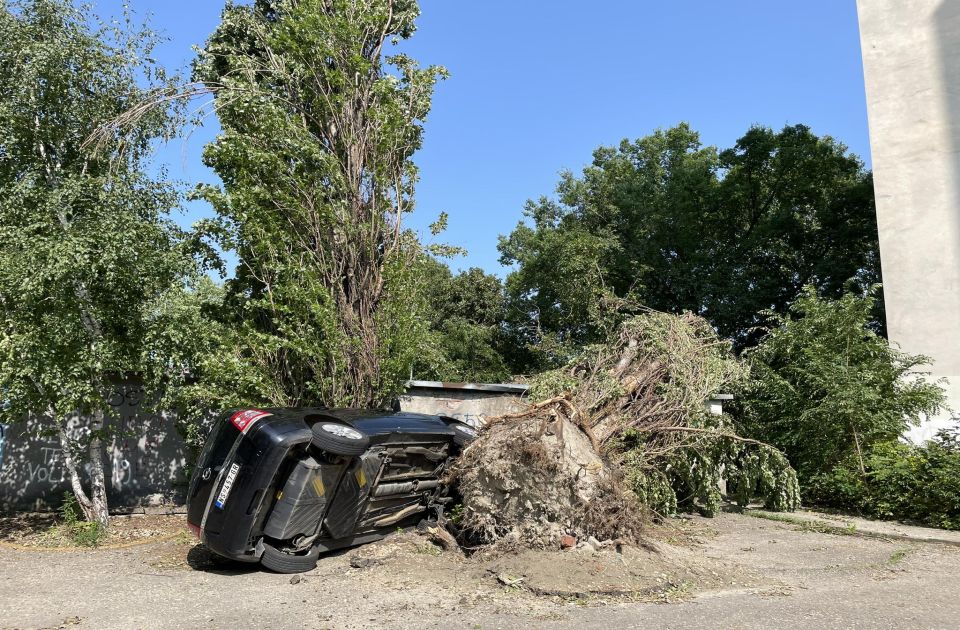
(911, 59)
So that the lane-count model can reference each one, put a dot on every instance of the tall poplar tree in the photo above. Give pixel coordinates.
(320, 118)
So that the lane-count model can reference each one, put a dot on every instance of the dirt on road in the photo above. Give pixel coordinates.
(733, 571)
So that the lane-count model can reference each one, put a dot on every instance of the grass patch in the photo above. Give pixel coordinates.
(898, 556)
(429, 549)
(803, 524)
(82, 533)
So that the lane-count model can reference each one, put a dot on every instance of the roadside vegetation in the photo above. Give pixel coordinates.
(898, 481)
(836, 398)
(666, 271)
(80, 532)
(87, 247)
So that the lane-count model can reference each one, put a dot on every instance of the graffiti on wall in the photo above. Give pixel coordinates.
(144, 456)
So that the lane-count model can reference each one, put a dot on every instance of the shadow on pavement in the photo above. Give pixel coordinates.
(202, 559)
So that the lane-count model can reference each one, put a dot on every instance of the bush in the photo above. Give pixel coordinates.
(826, 389)
(82, 533)
(902, 481)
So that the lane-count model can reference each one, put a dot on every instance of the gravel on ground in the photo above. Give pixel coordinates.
(738, 572)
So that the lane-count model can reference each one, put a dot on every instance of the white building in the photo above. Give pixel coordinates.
(911, 59)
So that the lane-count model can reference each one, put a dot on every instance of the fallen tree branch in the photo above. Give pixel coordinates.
(711, 432)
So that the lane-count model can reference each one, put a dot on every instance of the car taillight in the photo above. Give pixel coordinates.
(195, 529)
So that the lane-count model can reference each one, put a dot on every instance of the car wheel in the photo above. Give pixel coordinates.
(463, 434)
(283, 562)
(339, 439)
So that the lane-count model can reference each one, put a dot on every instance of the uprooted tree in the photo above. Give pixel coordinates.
(621, 432)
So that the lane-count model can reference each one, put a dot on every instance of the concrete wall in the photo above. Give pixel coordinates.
(144, 459)
(3, 438)
(911, 58)
(471, 404)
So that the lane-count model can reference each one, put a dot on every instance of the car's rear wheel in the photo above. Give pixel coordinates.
(283, 562)
(339, 439)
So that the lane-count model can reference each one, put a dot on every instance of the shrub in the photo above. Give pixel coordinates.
(826, 389)
(902, 481)
(82, 533)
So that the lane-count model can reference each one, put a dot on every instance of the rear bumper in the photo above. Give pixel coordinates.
(233, 526)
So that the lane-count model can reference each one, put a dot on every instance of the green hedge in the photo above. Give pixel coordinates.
(902, 481)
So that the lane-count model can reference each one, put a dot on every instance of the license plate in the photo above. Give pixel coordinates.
(227, 485)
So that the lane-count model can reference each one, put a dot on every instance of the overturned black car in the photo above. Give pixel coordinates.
(281, 486)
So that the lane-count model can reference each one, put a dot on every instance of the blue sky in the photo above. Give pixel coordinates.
(537, 85)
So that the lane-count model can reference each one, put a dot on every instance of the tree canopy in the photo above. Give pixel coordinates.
(315, 158)
(86, 246)
(825, 388)
(467, 312)
(676, 225)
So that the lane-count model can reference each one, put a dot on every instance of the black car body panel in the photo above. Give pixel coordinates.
(263, 480)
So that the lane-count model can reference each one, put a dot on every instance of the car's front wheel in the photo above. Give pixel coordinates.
(284, 562)
(339, 439)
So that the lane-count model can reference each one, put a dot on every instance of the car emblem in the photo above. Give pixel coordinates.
(206, 474)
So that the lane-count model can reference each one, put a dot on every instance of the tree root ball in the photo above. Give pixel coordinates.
(529, 480)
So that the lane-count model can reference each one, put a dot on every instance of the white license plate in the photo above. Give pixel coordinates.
(227, 485)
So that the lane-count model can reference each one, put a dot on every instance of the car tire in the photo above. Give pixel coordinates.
(339, 439)
(463, 434)
(283, 562)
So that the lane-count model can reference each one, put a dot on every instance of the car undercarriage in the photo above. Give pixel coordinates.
(292, 484)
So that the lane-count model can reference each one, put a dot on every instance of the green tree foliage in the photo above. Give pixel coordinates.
(680, 226)
(467, 312)
(86, 248)
(825, 388)
(643, 395)
(315, 158)
(189, 334)
(899, 480)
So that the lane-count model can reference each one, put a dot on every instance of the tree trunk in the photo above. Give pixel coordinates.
(94, 506)
(856, 441)
(98, 488)
(70, 463)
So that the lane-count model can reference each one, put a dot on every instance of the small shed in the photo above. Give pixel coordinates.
(471, 403)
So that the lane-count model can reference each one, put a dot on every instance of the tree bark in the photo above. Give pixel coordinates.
(93, 505)
(70, 463)
(98, 488)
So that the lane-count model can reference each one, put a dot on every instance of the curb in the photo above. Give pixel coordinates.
(854, 529)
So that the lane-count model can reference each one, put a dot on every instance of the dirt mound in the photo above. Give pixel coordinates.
(654, 572)
(529, 480)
